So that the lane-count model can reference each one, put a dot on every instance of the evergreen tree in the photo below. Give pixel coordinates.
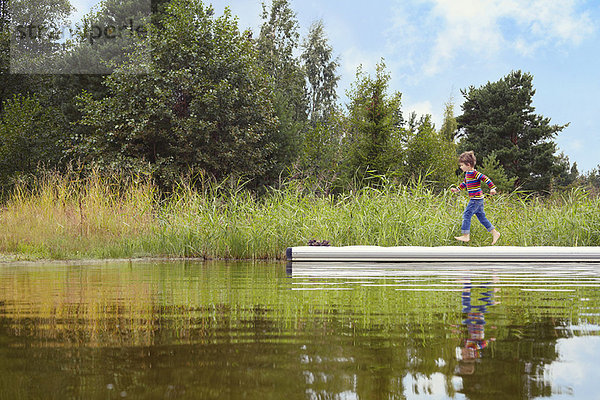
(321, 154)
(449, 128)
(375, 135)
(499, 118)
(569, 174)
(430, 156)
(491, 168)
(592, 179)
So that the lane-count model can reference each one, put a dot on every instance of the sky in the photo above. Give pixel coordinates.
(433, 49)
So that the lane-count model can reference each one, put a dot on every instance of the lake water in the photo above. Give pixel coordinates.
(193, 330)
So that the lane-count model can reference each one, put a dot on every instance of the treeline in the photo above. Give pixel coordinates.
(192, 94)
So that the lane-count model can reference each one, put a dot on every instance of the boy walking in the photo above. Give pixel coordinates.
(472, 183)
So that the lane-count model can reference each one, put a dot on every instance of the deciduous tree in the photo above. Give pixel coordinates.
(205, 103)
(320, 68)
(30, 137)
(278, 40)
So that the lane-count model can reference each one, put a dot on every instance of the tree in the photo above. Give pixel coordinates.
(30, 135)
(449, 127)
(35, 40)
(499, 118)
(278, 40)
(569, 174)
(28, 45)
(320, 68)
(321, 155)
(375, 136)
(205, 103)
(4, 38)
(106, 36)
(430, 156)
(34, 92)
(491, 168)
(592, 179)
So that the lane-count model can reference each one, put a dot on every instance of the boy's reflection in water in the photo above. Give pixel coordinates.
(475, 341)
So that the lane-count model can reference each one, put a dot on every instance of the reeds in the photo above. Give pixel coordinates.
(60, 217)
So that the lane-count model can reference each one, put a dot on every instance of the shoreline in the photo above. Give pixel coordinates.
(6, 260)
(17, 260)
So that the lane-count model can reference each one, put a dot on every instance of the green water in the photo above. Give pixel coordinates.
(192, 330)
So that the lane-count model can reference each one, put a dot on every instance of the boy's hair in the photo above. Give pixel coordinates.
(467, 158)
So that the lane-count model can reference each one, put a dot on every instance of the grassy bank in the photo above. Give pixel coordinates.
(61, 218)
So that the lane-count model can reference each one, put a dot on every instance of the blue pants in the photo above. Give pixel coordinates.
(475, 206)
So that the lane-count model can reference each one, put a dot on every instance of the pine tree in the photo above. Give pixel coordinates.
(375, 134)
(499, 118)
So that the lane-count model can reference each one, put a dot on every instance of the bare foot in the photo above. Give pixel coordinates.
(463, 238)
(495, 236)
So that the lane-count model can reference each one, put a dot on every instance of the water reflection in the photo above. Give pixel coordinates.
(475, 340)
(245, 330)
(504, 348)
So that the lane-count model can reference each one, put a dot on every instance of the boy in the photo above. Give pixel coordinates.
(472, 183)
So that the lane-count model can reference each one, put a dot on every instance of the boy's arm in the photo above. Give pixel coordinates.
(488, 181)
(462, 186)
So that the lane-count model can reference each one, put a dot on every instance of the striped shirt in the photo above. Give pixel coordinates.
(472, 183)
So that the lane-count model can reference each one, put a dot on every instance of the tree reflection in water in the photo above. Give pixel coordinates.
(244, 330)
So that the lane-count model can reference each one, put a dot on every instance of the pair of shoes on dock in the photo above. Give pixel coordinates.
(313, 242)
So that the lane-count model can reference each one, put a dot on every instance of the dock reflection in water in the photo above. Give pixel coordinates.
(341, 331)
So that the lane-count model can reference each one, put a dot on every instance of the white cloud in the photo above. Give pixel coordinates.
(353, 57)
(558, 20)
(526, 48)
(575, 371)
(432, 33)
(466, 25)
(420, 108)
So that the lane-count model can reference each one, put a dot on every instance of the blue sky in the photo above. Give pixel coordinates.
(435, 48)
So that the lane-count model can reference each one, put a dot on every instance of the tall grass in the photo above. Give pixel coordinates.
(66, 217)
(60, 217)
